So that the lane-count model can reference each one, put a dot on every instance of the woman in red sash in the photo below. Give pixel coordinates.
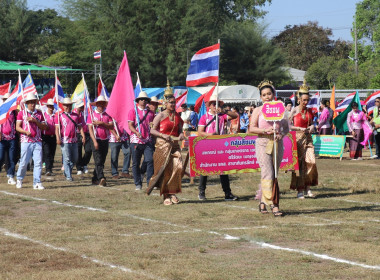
(301, 119)
(167, 127)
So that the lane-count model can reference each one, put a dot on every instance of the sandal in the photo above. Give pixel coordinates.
(263, 210)
(174, 199)
(168, 201)
(276, 213)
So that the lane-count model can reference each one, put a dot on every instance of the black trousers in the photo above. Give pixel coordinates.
(100, 156)
(224, 180)
(377, 144)
(85, 159)
(49, 145)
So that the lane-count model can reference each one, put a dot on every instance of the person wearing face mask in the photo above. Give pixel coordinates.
(207, 127)
(301, 119)
(139, 120)
(265, 149)
(30, 123)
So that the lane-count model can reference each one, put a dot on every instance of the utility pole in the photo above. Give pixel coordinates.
(356, 48)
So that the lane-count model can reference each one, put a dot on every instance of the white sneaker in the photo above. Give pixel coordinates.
(11, 181)
(374, 156)
(85, 169)
(359, 158)
(38, 186)
(19, 184)
(79, 172)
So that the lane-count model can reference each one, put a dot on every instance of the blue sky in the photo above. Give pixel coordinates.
(335, 14)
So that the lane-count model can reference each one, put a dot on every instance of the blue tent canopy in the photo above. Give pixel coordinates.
(192, 95)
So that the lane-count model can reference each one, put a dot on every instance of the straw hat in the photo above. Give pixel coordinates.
(213, 98)
(142, 95)
(67, 101)
(154, 100)
(6, 96)
(50, 102)
(99, 99)
(31, 96)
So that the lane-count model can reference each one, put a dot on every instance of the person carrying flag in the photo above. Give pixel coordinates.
(139, 120)
(66, 124)
(83, 159)
(301, 119)
(8, 143)
(49, 140)
(100, 125)
(30, 123)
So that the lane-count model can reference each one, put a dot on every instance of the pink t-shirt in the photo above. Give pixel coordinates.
(67, 127)
(83, 121)
(35, 131)
(144, 126)
(8, 129)
(51, 124)
(101, 132)
(122, 133)
(211, 128)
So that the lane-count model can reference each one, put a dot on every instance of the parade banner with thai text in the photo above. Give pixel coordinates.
(234, 153)
(329, 145)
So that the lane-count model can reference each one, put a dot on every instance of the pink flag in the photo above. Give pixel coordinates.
(122, 97)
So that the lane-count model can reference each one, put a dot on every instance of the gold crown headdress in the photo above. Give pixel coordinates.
(168, 92)
(265, 83)
(304, 88)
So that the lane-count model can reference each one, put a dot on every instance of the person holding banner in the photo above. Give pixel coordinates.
(376, 124)
(100, 125)
(264, 149)
(8, 143)
(139, 120)
(66, 126)
(207, 127)
(301, 119)
(30, 123)
(167, 127)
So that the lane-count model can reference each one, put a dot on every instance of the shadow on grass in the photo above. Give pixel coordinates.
(373, 208)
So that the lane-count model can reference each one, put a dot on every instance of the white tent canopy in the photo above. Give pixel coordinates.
(234, 94)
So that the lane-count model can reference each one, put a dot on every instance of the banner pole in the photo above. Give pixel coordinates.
(217, 97)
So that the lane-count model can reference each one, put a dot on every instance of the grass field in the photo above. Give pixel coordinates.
(73, 230)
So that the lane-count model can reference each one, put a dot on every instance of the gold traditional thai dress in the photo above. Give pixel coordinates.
(167, 158)
(265, 156)
(308, 173)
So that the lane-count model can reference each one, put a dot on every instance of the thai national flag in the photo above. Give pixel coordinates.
(370, 101)
(5, 88)
(345, 102)
(9, 105)
(102, 90)
(314, 102)
(138, 87)
(59, 94)
(204, 67)
(97, 54)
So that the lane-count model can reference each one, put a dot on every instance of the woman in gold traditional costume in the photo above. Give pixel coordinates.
(301, 119)
(265, 151)
(167, 127)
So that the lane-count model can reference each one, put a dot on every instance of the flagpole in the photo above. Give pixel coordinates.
(86, 92)
(101, 66)
(134, 103)
(217, 96)
(113, 120)
(10, 86)
(23, 99)
(57, 99)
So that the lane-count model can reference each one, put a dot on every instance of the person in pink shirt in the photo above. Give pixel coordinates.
(100, 125)
(206, 127)
(49, 141)
(139, 120)
(324, 126)
(8, 143)
(83, 159)
(66, 125)
(30, 123)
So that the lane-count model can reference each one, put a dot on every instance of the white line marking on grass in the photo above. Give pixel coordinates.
(356, 201)
(242, 228)
(158, 233)
(103, 263)
(226, 236)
